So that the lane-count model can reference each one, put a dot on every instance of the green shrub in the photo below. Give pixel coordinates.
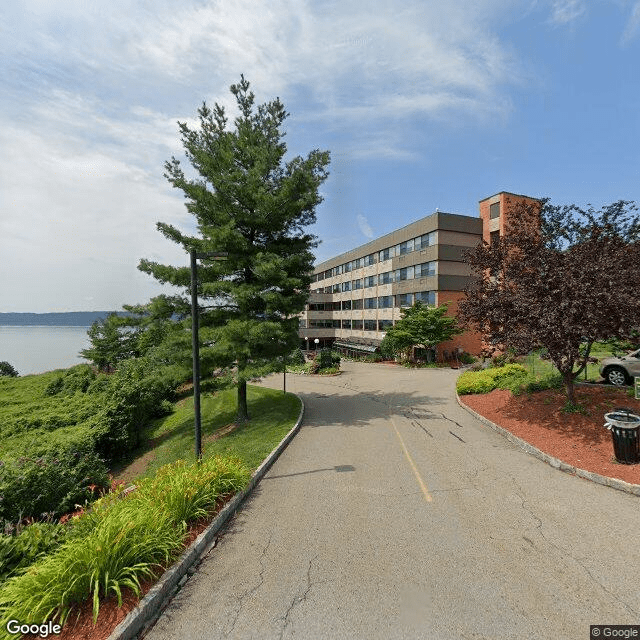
(51, 484)
(297, 357)
(132, 399)
(119, 541)
(326, 359)
(336, 358)
(489, 379)
(329, 370)
(28, 544)
(73, 380)
(467, 358)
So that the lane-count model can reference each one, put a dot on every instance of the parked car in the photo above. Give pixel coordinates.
(621, 370)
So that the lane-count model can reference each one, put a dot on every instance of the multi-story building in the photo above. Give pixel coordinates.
(356, 296)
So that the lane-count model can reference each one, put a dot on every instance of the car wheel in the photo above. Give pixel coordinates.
(617, 376)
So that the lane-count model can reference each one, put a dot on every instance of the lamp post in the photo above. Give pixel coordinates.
(307, 339)
(317, 342)
(195, 343)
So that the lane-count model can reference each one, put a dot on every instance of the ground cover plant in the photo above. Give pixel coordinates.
(171, 438)
(120, 540)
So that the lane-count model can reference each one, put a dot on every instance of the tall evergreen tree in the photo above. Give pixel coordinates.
(253, 207)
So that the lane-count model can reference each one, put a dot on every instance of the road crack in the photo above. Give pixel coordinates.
(298, 599)
(249, 592)
(566, 552)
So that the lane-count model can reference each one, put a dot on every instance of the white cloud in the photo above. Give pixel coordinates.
(633, 24)
(566, 11)
(364, 226)
(92, 93)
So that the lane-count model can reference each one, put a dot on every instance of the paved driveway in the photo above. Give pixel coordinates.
(395, 514)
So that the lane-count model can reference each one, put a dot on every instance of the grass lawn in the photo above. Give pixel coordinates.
(272, 415)
(540, 368)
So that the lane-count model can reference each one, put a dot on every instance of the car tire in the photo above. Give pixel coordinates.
(617, 376)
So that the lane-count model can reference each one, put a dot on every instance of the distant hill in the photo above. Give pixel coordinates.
(66, 319)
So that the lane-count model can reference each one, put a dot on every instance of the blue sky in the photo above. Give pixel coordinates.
(423, 106)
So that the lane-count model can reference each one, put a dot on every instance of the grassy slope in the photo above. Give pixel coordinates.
(273, 414)
(22, 400)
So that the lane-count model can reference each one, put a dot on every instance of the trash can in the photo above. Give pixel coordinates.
(624, 426)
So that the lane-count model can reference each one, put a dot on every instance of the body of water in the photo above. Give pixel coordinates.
(38, 349)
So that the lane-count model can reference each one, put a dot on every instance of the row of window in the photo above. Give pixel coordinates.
(381, 302)
(406, 273)
(415, 244)
(354, 325)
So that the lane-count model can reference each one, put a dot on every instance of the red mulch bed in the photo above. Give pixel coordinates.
(577, 439)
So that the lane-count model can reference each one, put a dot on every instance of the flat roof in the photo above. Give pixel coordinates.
(391, 233)
(509, 193)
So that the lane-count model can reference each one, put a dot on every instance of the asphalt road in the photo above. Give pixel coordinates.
(395, 514)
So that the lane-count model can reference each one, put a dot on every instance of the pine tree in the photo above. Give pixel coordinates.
(253, 207)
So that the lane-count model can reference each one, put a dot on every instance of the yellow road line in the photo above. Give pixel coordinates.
(423, 486)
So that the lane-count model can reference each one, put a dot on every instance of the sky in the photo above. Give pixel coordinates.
(422, 105)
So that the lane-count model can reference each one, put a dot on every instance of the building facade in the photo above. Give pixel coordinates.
(356, 296)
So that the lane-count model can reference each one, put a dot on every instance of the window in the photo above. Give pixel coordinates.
(385, 302)
(358, 263)
(346, 305)
(336, 288)
(334, 306)
(494, 210)
(318, 306)
(425, 241)
(426, 297)
(384, 325)
(356, 304)
(406, 247)
(327, 274)
(369, 260)
(346, 286)
(494, 238)
(338, 270)
(426, 269)
(387, 254)
(346, 324)
(348, 267)
(356, 325)
(370, 325)
(404, 300)
(370, 303)
(356, 284)
(370, 281)
(336, 324)
(386, 277)
(405, 273)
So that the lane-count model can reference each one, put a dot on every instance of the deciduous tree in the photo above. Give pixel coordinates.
(560, 285)
(420, 326)
(251, 205)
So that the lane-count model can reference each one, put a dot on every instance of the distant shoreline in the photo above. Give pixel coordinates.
(55, 319)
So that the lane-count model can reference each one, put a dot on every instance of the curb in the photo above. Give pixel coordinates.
(556, 463)
(154, 602)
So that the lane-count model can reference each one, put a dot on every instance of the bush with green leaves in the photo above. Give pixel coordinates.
(51, 484)
(297, 357)
(119, 541)
(489, 379)
(326, 360)
(73, 380)
(26, 544)
(133, 398)
(7, 369)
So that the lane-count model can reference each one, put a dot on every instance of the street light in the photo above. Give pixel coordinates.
(194, 341)
(307, 339)
(317, 342)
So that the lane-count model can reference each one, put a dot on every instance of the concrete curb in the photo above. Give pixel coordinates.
(614, 483)
(151, 606)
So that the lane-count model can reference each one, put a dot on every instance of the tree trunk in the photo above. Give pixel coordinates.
(568, 383)
(243, 411)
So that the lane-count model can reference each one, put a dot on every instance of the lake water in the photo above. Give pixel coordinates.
(37, 349)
